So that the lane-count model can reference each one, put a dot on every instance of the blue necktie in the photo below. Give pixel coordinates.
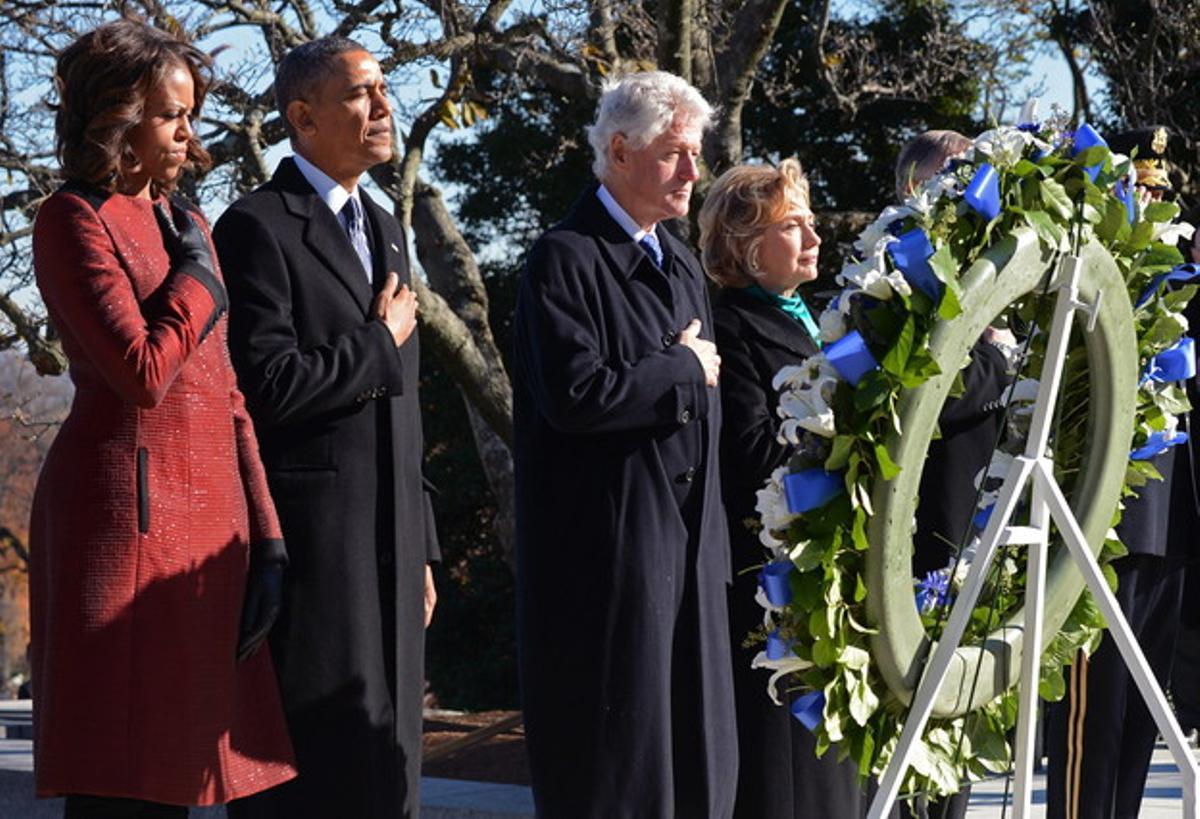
(653, 249)
(352, 216)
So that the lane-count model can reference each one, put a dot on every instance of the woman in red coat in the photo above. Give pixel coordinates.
(152, 519)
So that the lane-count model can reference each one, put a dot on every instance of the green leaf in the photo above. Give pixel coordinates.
(944, 265)
(896, 358)
(1092, 156)
(949, 307)
(824, 653)
(810, 555)
(1025, 168)
(858, 531)
(1052, 685)
(1115, 216)
(1160, 212)
(1055, 198)
(1047, 229)
(873, 389)
(887, 467)
(818, 626)
(1143, 232)
(839, 453)
(808, 590)
(866, 757)
(860, 590)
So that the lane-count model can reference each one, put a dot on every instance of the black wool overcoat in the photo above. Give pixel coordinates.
(623, 550)
(969, 426)
(335, 406)
(780, 776)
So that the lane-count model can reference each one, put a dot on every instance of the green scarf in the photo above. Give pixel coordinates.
(793, 305)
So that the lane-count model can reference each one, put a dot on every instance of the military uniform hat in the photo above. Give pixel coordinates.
(1153, 146)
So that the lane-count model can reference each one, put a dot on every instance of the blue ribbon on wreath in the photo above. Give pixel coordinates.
(777, 647)
(1181, 273)
(980, 519)
(809, 709)
(983, 192)
(1176, 363)
(773, 578)
(1124, 192)
(850, 357)
(1157, 443)
(811, 489)
(1087, 137)
(911, 252)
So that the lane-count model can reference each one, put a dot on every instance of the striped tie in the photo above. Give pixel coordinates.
(352, 217)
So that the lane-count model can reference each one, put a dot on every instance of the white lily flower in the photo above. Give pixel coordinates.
(871, 277)
(781, 667)
(806, 390)
(1004, 146)
(770, 502)
(879, 230)
(833, 324)
(1170, 233)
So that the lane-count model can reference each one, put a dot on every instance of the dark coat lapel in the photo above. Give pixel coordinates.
(323, 234)
(590, 217)
(388, 248)
(770, 324)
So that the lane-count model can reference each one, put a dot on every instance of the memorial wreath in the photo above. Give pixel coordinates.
(976, 245)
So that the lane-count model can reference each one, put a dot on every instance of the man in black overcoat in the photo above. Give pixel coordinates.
(623, 550)
(322, 332)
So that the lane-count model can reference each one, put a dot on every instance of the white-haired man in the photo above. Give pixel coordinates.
(623, 554)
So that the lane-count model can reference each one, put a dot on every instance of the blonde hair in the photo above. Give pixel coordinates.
(741, 204)
(924, 155)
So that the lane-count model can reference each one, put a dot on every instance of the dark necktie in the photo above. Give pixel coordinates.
(653, 249)
(356, 229)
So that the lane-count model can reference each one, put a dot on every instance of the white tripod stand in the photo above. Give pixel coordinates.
(1047, 502)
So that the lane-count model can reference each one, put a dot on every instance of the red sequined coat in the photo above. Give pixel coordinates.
(145, 512)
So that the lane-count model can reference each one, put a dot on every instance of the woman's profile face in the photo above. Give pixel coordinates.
(160, 140)
(787, 254)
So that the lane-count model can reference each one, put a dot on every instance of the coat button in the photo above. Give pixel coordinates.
(685, 416)
(668, 339)
(688, 475)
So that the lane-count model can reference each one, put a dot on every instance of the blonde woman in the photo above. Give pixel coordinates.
(760, 247)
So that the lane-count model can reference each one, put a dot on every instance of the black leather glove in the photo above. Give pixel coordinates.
(184, 241)
(260, 608)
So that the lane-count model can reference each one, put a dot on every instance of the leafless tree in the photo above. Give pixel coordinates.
(564, 47)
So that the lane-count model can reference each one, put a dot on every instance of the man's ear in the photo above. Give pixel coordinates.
(299, 114)
(618, 150)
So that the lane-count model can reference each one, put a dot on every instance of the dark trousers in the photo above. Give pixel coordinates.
(1100, 737)
(111, 807)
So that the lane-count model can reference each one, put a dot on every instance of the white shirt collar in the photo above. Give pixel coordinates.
(331, 193)
(618, 213)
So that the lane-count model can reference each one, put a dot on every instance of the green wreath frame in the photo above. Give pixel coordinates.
(1013, 268)
(853, 638)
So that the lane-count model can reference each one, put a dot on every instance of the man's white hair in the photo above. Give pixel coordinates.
(641, 106)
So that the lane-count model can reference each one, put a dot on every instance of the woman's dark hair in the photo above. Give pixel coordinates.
(103, 80)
